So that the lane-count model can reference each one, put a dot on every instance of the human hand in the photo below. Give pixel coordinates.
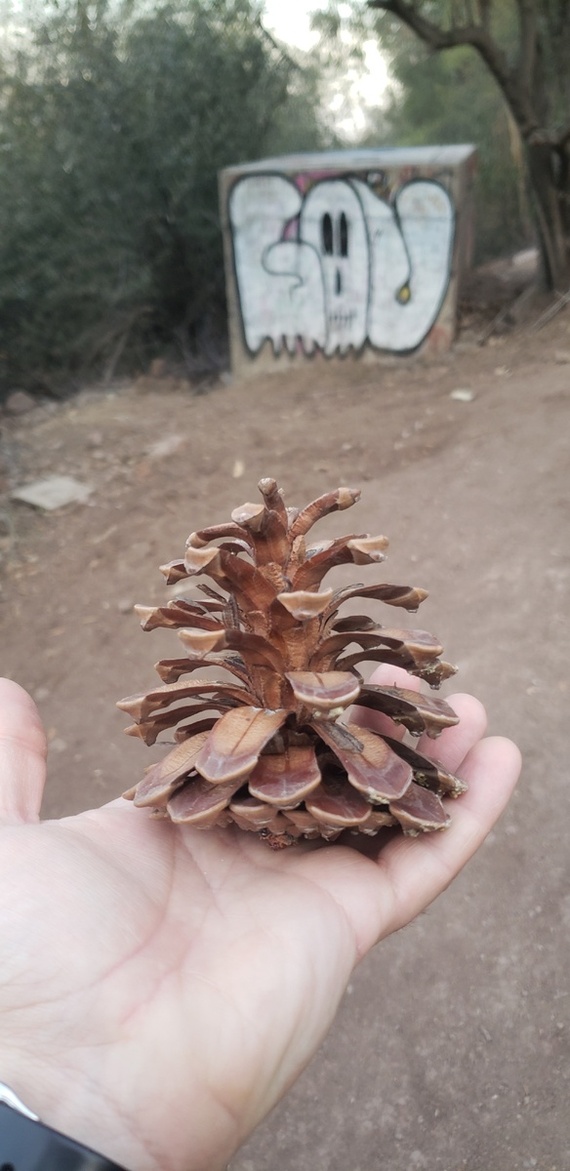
(161, 987)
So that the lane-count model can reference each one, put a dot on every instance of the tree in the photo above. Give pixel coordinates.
(533, 77)
(449, 98)
(114, 122)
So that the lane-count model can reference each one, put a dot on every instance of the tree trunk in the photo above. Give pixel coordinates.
(550, 199)
(527, 88)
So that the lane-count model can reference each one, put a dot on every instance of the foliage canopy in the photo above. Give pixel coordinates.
(524, 46)
(449, 98)
(113, 126)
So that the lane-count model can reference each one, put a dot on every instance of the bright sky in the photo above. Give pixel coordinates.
(290, 21)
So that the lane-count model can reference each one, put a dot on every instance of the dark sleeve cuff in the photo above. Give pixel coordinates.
(26, 1145)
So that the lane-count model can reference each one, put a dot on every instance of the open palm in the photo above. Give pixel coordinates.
(161, 987)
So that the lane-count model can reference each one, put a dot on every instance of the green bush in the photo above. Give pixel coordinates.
(112, 131)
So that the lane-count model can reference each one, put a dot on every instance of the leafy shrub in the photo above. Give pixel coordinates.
(113, 126)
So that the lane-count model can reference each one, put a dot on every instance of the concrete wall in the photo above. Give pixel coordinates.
(350, 252)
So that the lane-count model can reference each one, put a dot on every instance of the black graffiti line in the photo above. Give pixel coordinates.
(450, 253)
(344, 179)
(293, 274)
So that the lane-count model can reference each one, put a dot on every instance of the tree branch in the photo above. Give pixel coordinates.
(485, 15)
(437, 37)
(517, 94)
(558, 141)
(527, 57)
(284, 55)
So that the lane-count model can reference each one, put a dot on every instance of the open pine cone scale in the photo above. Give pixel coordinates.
(270, 748)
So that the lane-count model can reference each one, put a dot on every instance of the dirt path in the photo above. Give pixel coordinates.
(451, 1049)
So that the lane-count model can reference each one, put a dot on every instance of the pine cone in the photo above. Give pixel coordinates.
(265, 748)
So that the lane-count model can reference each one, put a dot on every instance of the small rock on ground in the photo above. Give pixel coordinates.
(19, 403)
(53, 492)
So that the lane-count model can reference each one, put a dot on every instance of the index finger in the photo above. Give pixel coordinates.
(419, 869)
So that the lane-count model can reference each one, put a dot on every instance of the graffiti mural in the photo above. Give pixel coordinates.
(336, 263)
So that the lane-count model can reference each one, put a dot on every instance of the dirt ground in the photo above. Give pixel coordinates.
(450, 1051)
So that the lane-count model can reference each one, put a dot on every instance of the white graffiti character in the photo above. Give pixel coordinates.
(280, 281)
(332, 220)
(340, 266)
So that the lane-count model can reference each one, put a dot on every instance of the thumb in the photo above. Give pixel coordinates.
(22, 755)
